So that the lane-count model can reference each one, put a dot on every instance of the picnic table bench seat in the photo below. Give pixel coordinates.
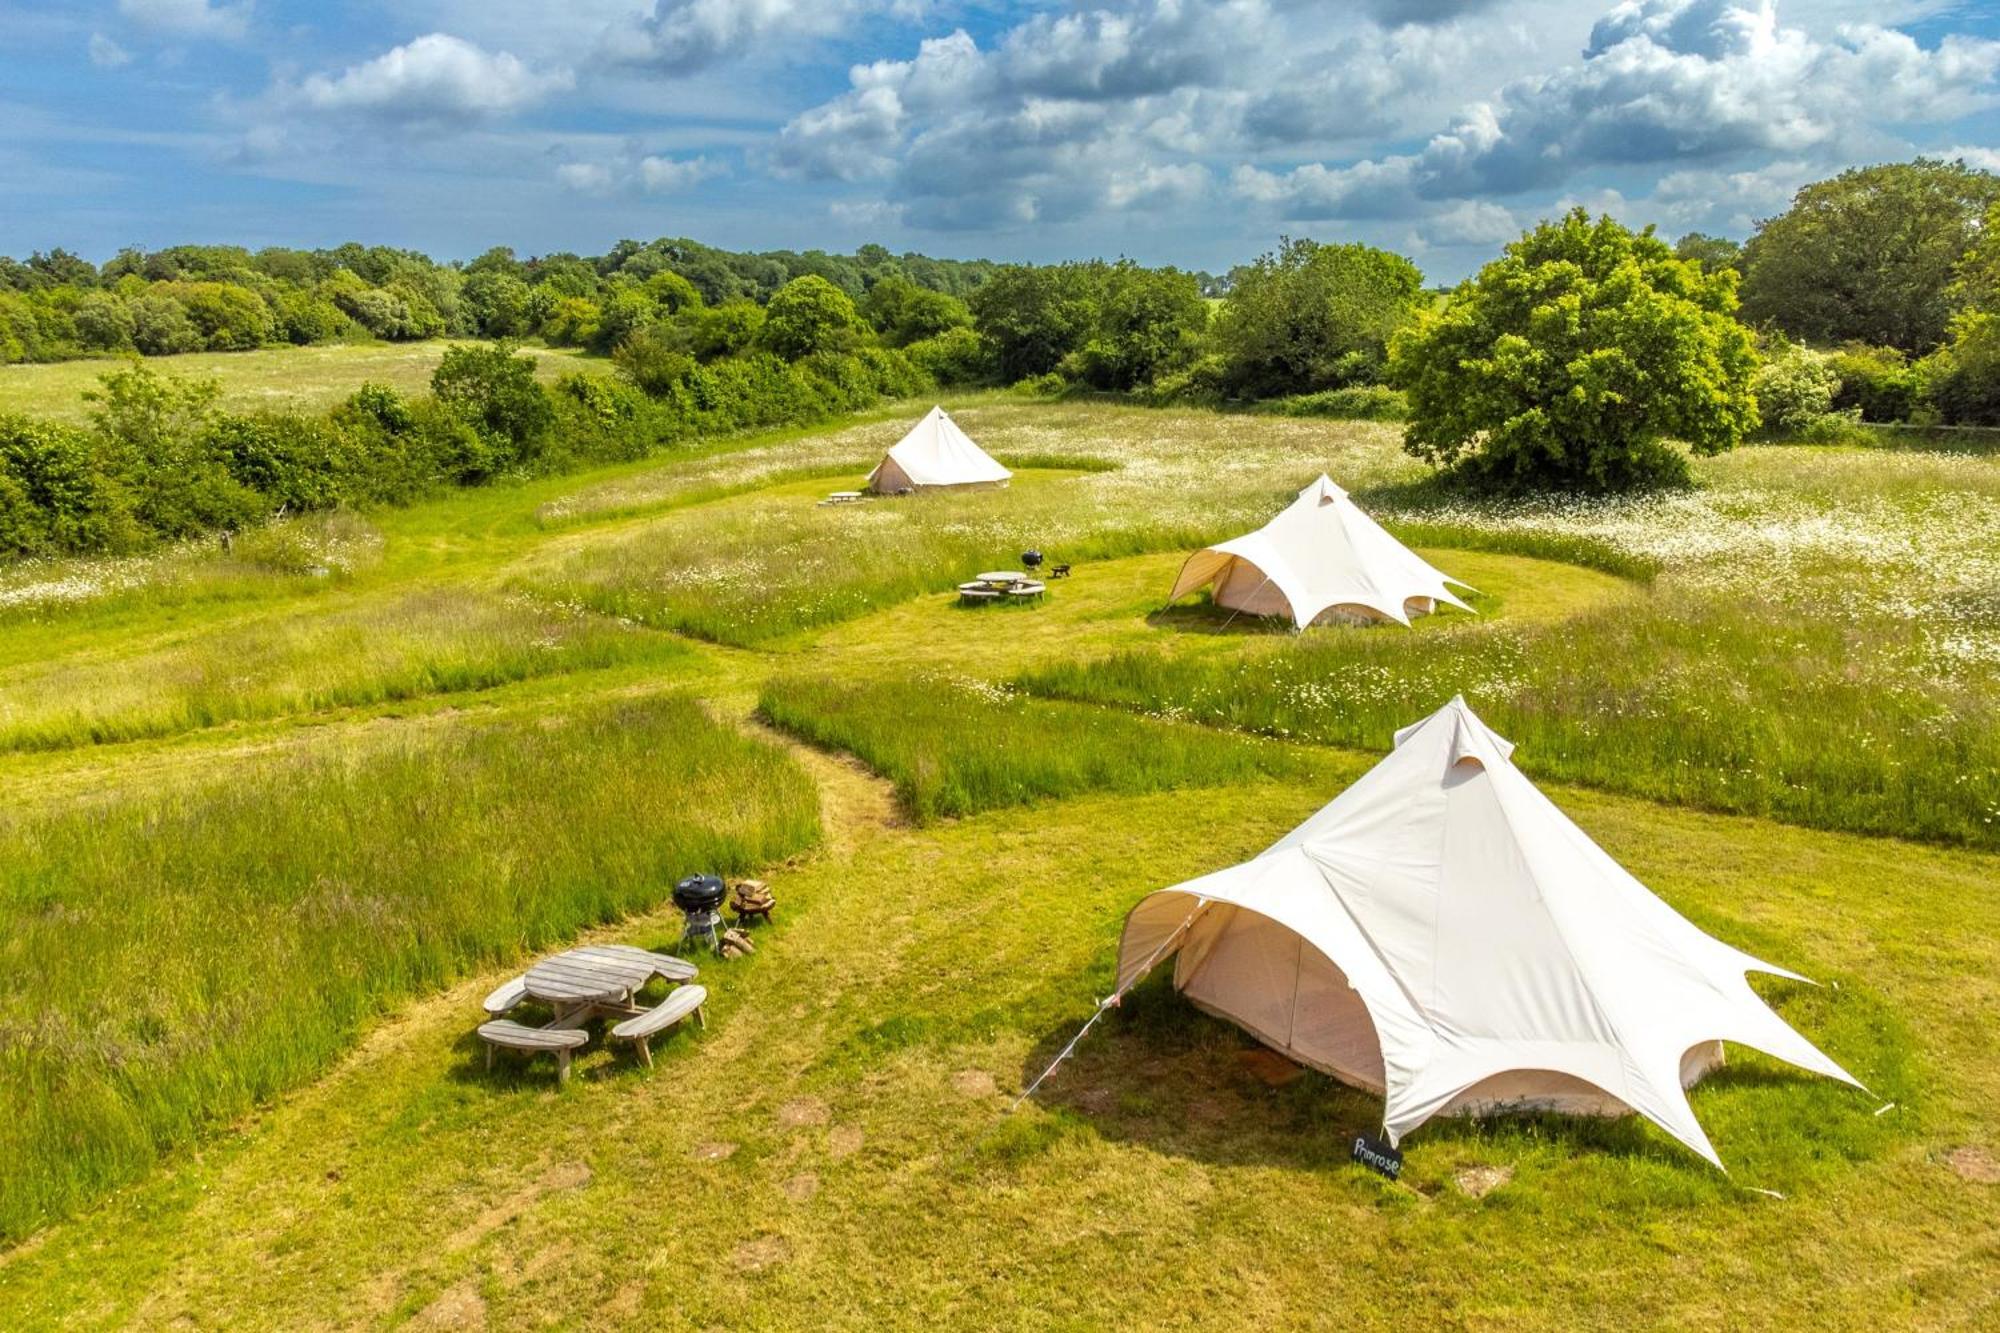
(681, 1002)
(503, 999)
(559, 1041)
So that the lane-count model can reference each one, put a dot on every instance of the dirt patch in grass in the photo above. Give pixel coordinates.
(973, 1083)
(800, 1188)
(1479, 1181)
(1974, 1164)
(843, 1141)
(761, 1252)
(458, 1306)
(714, 1152)
(802, 1111)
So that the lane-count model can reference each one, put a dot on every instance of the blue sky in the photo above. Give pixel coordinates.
(1171, 131)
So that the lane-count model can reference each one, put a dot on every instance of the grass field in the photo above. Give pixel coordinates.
(275, 377)
(276, 821)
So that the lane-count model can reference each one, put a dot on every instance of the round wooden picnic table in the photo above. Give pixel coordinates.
(600, 975)
(1002, 576)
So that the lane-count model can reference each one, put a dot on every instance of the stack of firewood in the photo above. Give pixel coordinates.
(736, 944)
(752, 900)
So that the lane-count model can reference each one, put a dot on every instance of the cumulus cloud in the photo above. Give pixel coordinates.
(437, 78)
(107, 54)
(188, 18)
(1681, 81)
(649, 174)
(681, 36)
(1067, 114)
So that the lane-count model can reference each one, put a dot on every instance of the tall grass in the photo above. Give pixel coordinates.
(167, 961)
(292, 557)
(438, 641)
(956, 747)
(1743, 707)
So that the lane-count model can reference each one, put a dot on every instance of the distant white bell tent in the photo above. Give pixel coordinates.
(1443, 935)
(1320, 559)
(936, 455)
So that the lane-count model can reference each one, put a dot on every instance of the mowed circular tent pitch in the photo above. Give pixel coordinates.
(1320, 559)
(1443, 935)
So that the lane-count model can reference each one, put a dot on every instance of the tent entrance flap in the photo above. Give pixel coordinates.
(1271, 981)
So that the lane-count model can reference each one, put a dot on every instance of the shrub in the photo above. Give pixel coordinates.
(1033, 317)
(495, 392)
(1878, 382)
(654, 359)
(296, 462)
(1574, 358)
(56, 495)
(571, 322)
(1312, 316)
(892, 374)
(600, 419)
(904, 313)
(160, 327)
(1202, 384)
(304, 318)
(1795, 388)
(723, 330)
(1360, 402)
(957, 356)
(104, 323)
(1961, 380)
(226, 317)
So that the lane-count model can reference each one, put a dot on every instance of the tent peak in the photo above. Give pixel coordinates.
(1470, 737)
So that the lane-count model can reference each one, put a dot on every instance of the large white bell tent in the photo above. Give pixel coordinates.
(1321, 557)
(936, 454)
(1443, 935)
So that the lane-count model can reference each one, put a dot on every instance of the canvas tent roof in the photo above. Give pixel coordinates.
(1320, 552)
(936, 453)
(1441, 933)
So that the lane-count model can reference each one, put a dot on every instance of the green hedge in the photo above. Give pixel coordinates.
(161, 462)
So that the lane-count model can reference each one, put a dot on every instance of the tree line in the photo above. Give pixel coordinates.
(1576, 359)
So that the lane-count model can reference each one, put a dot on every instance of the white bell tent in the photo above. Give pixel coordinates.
(1321, 557)
(936, 454)
(1443, 935)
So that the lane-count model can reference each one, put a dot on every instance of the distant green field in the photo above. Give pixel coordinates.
(272, 821)
(273, 377)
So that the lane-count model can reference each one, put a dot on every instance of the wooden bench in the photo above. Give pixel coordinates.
(975, 593)
(684, 1000)
(1059, 572)
(505, 998)
(558, 1041)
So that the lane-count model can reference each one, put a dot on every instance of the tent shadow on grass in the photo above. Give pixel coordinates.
(1161, 1073)
(1203, 616)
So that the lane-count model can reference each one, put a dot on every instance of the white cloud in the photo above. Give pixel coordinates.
(188, 18)
(587, 177)
(681, 36)
(107, 54)
(1986, 159)
(1662, 81)
(437, 78)
(650, 174)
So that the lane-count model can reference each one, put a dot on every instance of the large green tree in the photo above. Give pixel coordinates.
(1574, 359)
(1033, 317)
(1870, 255)
(1309, 316)
(809, 315)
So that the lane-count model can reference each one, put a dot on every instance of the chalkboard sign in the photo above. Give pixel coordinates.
(1378, 1156)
